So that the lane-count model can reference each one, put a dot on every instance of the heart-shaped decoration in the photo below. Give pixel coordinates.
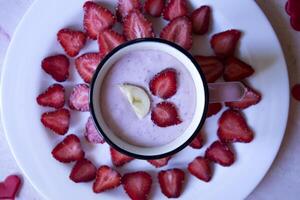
(9, 187)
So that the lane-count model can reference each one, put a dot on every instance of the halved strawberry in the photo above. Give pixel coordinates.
(171, 182)
(200, 20)
(213, 109)
(164, 84)
(125, 6)
(79, 98)
(201, 168)
(154, 7)
(68, 150)
(83, 171)
(10, 187)
(119, 159)
(174, 9)
(72, 41)
(108, 40)
(96, 19)
(58, 121)
(160, 162)
(135, 26)
(221, 153)
(106, 179)
(57, 66)
(236, 70)
(295, 21)
(54, 96)
(224, 43)
(296, 92)
(137, 185)
(179, 31)
(86, 65)
(91, 134)
(165, 114)
(197, 143)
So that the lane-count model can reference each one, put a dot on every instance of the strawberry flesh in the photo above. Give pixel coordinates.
(58, 121)
(296, 92)
(83, 171)
(91, 134)
(54, 97)
(200, 20)
(119, 159)
(213, 109)
(220, 153)
(197, 143)
(106, 179)
(165, 114)
(171, 182)
(9, 187)
(108, 40)
(125, 6)
(154, 7)
(160, 162)
(57, 66)
(79, 98)
(236, 70)
(201, 168)
(174, 9)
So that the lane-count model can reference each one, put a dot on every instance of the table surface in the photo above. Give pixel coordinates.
(281, 182)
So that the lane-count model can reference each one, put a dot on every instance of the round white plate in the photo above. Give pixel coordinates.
(31, 143)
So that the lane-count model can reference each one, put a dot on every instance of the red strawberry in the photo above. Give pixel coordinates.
(164, 84)
(179, 31)
(200, 20)
(108, 40)
(296, 92)
(201, 168)
(91, 133)
(58, 121)
(154, 7)
(213, 109)
(165, 114)
(125, 6)
(171, 182)
(174, 9)
(119, 159)
(236, 70)
(234, 128)
(96, 19)
(219, 152)
(135, 26)
(68, 150)
(106, 179)
(137, 185)
(197, 143)
(54, 96)
(72, 41)
(9, 187)
(224, 44)
(251, 97)
(57, 66)
(79, 98)
(86, 64)
(83, 171)
(160, 162)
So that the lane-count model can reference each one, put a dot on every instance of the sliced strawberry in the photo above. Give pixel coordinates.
(125, 6)
(165, 114)
(213, 109)
(137, 185)
(119, 159)
(54, 96)
(179, 31)
(174, 9)
(79, 98)
(224, 43)
(221, 153)
(200, 20)
(86, 65)
(91, 134)
(197, 143)
(135, 26)
(68, 150)
(295, 22)
(201, 168)
(108, 40)
(296, 92)
(83, 171)
(160, 162)
(72, 41)
(154, 7)
(10, 187)
(171, 182)
(96, 19)
(251, 98)
(236, 70)
(106, 179)
(57, 66)
(58, 121)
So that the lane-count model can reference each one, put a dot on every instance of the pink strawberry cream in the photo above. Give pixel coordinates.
(138, 68)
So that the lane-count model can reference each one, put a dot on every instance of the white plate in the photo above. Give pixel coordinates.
(31, 143)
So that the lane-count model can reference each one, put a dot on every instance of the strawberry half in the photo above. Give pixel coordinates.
(171, 182)
(10, 187)
(165, 114)
(137, 185)
(72, 41)
(68, 150)
(86, 65)
(201, 168)
(135, 26)
(236, 70)
(79, 98)
(54, 96)
(296, 92)
(221, 153)
(119, 159)
(83, 171)
(57, 66)
(224, 43)
(154, 7)
(213, 109)
(197, 143)
(106, 179)
(160, 162)
(234, 128)
(96, 19)
(200, 20)
(174, 9)
(91, 134)
(179, 31)
(58, 121)
(108, 40)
